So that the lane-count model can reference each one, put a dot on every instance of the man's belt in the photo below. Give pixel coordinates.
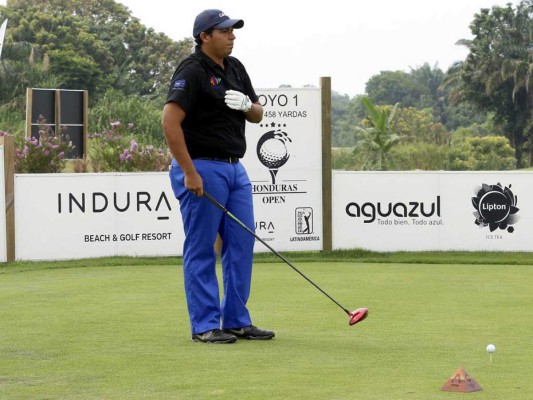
(231, 160)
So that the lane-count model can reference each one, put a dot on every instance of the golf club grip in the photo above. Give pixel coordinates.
(237, 220)
(215, 202)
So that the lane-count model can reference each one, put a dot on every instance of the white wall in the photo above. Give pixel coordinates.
(447, 200)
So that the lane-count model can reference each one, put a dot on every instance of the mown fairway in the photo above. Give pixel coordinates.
(121, 332)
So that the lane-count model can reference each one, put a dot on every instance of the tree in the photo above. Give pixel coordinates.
(420, 126)
(346, 113)
(376, 138)
(496, 75)
(19, 70)
(391, 87)
(489, 153)
(95, 44)
(339, 129)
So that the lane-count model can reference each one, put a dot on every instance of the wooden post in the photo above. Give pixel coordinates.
(29, 105)
(9, 174)
(85, 124)
(57, 108)
(325, 84)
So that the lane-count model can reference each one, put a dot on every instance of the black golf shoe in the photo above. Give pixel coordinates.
(251, 333)
(215, 336)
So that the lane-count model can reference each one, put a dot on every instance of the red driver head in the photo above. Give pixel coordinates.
(358, 315)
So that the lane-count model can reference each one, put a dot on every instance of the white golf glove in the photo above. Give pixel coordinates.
(238, 101)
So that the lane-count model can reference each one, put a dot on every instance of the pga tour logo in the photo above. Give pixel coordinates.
(495, 207)
(304, 220)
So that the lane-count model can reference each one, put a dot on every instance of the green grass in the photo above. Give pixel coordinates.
(117, 328)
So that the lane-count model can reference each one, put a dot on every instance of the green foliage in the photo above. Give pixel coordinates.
(420, 126)
(116, 150)
(346, 115)
(75, 71)
(420, 156)
(144, 158)
(460, 115)
(94, 45)
(345, 159)
(496, 75)
(340, 132)
(391, 87)
(142, 116)
(12, 120)
(489, 153)
(377, 137)
(19, 70)
(45, 154)
(467, 150)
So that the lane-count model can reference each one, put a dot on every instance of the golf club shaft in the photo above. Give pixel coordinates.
(238, 221)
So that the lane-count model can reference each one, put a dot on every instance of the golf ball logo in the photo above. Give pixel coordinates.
(495, 207)
(272, 151)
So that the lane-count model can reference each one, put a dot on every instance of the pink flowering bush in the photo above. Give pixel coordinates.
(115, 150)
(104, 148)
(147, 158)
(45, 154)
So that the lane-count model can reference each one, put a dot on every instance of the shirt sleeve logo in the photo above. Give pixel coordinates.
(179, 84)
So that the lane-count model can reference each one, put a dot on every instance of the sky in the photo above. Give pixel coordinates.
(296, 42)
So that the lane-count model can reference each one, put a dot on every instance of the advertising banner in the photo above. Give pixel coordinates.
(417, 211)
(284, 163)
(73, 216)
(3, 235)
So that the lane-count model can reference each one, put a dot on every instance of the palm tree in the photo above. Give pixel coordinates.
(518, 66)
(376, 139)
(496, 75)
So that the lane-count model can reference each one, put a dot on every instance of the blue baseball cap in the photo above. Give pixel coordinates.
(214, 19)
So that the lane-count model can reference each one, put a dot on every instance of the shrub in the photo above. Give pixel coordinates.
(45, 154)
(104, 148)
(421, 156)
(343, 158)
(144, 114)
(116, 150)
(488, 153)
(147, 158)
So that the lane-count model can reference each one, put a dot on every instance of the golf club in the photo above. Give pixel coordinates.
(355, 316)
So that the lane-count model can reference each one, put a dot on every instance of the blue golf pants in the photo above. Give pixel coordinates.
(229, 185)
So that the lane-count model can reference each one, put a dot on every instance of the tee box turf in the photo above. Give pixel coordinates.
(460, 381)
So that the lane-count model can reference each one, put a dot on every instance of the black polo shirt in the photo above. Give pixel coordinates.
(211, 128)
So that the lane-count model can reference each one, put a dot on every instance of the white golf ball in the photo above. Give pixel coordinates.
(491, 348)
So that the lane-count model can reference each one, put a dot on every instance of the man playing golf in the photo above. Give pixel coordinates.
(209, 101)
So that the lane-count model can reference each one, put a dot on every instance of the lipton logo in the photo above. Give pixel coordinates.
(495, 207)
